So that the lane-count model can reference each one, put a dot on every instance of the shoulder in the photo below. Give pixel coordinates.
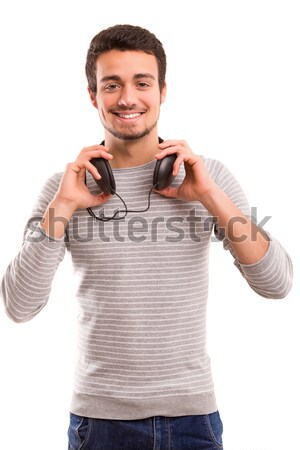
(217, 170)
(226, 181)
(50, 186)
(53, 181)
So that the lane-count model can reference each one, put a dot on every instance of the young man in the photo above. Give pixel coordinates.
(143, 379)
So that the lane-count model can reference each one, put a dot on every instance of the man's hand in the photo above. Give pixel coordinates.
(197, 181)
(199, 186)
(73, 193)
(72, 190)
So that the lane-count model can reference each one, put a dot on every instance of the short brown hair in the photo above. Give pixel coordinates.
(124, 37)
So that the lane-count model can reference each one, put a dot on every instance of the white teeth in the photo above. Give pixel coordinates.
(129, 116)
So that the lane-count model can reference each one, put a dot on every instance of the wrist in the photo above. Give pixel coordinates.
(56, 218)
(211, 197)
(62, 207)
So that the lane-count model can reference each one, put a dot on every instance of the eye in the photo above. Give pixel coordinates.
(111, 87)
(143, 85)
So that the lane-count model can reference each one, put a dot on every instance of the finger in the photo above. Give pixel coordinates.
(167, 151)
(96, 153)
(171, 143)
(84, 161)
(177, 163)
(94, 147)
(79, 168)
(81, 175)
(93, 170)
(73, 166)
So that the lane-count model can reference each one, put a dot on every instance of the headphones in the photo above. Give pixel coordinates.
(162, 178)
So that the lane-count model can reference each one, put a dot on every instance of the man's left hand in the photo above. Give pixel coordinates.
(197, 181)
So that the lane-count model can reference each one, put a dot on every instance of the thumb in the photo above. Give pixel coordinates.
(170, 192)
(99, 199)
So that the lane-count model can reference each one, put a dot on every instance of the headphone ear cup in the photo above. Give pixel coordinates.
(107, 182)
(162, 175)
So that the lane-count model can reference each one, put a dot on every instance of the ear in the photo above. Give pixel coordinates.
(93, 98)
(163, 93)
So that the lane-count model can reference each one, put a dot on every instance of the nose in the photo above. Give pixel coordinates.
(127, 97)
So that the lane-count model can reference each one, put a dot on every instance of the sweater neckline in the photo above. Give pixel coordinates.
(135, 168)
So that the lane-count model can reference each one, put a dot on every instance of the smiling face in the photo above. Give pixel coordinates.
(128, 97)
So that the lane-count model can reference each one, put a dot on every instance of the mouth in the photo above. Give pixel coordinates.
(130, 116)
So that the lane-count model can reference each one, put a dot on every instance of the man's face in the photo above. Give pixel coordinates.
(128, 97)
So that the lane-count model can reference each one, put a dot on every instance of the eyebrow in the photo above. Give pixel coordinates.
(135, 77)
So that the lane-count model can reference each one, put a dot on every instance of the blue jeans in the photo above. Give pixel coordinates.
(203, 432)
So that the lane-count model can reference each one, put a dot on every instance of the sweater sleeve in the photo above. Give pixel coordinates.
(26, 284)
(272, 275)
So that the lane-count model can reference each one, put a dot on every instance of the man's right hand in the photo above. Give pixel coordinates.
(73, 193)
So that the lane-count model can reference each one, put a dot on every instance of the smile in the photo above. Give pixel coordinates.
(129, 116)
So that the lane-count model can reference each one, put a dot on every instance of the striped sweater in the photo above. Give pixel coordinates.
(142, 294)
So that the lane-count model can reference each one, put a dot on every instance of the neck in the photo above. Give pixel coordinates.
(132, 153)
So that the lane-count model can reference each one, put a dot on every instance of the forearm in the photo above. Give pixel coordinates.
(56, 218)
(27, 282)
(248, 242)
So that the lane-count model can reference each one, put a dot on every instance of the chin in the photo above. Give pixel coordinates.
(129, 136)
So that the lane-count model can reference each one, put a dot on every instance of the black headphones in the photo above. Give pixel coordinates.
(162, 178)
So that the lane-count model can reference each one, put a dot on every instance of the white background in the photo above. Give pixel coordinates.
(233, 78)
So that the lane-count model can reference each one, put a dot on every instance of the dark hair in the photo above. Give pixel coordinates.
(124, 37)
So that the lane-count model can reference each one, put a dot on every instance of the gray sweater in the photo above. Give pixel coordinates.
(142, 295)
